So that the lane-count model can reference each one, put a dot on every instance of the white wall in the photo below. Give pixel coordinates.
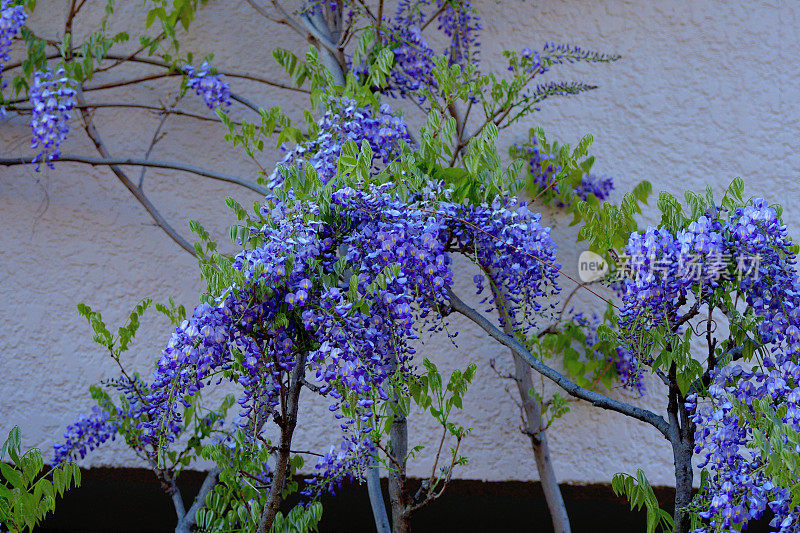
(706, 91)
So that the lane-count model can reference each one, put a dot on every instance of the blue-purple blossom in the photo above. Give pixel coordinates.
(413, 62)
(599, 186)
(668, 271)
(461, 24)
(84, 435)
(52, 97)
(543, 173)
(346, 121)
(738, 487)
(211, 87)
(12, 18)
(348, 462)
(414, 57)
(350, 338)
(629, 371)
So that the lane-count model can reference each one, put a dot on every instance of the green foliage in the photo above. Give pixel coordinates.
(236, 502)
(430, 394)
(175, 314)
(252, 136)
(170, 14)
(28, 491)
(775, 441)
(587, 364)
(118, 344)
(640, 494)
(503, 101)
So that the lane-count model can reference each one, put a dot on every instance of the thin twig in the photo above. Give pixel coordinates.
(433, 17)
(149, 107)
(132, 161)
(156, 137)
(225, 72)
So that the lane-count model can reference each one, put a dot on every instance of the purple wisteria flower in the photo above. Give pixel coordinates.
(669, 269)
(414, 57)
(346, 121)
(462, 25)
(351, 338)
(84, 435)
(629, 370)
(544, 171)
(413, 61)
(12, 18)
(599, 186)
(52, 97)
(211, 87)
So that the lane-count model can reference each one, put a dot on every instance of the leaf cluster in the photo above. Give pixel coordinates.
(640, 494)
(28, 490)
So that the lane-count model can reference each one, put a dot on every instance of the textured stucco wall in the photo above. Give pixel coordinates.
(706, 91)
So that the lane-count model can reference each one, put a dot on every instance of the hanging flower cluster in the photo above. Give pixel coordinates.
(543, 170)
(508, 240)
(462, 25)
(739, 489)
(751, 247)
(12, 18)
(291, 303)
(52, 98)
(413, 61)
(414, 58)
(214, 91)
(345, 121)
(84, 435)
(629, 370)
(599, 186)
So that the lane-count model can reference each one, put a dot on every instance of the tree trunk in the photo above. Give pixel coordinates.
(541, 450)
(533, 420)
(682, 450)
(397, 495)
(681, 436)
(376, 499)
(283, 466)
(398, 438)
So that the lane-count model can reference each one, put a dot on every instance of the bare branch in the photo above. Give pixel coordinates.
(433, 17)
(224, 72)
(167, 481)
(287, 19)
(132, 161)
(70, 16)
(562, 381)
(94, 135)
(157, 136)
(122, 58)
(123, 83)
(244, 101)
(322, 38)
(149, 107)
(177, 501)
